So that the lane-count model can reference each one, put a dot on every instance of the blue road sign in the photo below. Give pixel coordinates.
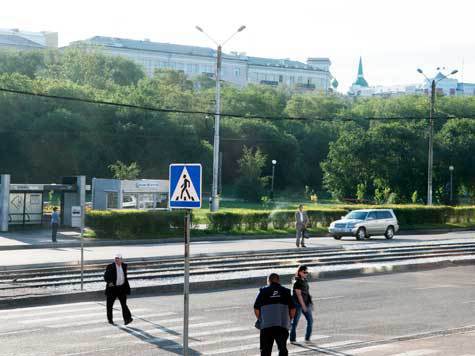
(185, 186)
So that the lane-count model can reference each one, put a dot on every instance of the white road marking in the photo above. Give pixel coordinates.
(56, 306)
(339, 343)
(233, 349)
(95, 321)
(222, 309)
(417, 353)
(88, 352)
(329, 298)
(362, 350)
(73, 316)
(437, 287)
(41, 313)
(18, 332)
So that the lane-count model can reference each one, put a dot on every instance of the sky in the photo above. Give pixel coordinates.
(393, 37)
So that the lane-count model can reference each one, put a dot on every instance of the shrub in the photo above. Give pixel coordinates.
(126, 224)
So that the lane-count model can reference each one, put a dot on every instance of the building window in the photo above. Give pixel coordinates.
(237, 72)
(112, 200)
(281, 78)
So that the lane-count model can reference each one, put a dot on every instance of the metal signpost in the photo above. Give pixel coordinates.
(81, 183)
(185, 193)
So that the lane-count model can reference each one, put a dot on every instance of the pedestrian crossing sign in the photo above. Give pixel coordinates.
(185, 186)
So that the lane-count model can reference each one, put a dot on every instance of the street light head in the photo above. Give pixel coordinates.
(451, 168)
(274, 161)
(241, 28)
(420, 70)
(454, 72)
(199, 28)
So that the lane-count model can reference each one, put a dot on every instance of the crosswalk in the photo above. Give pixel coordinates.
(81, 329)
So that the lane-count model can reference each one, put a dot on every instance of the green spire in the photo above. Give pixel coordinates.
(361, 81)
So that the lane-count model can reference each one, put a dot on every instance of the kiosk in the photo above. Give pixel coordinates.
(129, 194)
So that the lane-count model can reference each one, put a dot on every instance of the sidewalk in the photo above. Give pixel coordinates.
(67, 250)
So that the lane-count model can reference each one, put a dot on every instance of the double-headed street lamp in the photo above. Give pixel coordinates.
(430, 163)
(214, 190)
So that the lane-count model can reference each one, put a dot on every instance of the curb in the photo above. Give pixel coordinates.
(215, 286)
(170, 240)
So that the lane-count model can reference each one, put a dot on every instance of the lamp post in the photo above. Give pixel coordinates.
(214, 190)
(274, 162)
(430, 161)
(451, 170)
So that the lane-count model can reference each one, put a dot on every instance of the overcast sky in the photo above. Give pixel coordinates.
(393, 37)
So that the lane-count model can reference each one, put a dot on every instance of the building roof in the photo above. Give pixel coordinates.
(361, 81)
(285, 63)
(190, 50)
(151, 46)
(17, 41)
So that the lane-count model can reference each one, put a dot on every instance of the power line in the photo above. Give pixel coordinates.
(209, 113)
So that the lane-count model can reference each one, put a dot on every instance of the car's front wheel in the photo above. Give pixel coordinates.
(389, 232)
(361, 233)
(336, 237)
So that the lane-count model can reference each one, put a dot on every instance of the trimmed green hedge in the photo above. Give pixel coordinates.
(408, 215)
(126, 224)
(240, 219)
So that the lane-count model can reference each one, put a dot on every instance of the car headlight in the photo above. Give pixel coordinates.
(350, 226)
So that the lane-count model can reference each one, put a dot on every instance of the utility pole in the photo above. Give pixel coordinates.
(214, 189)
(430, 160)
(430, 163)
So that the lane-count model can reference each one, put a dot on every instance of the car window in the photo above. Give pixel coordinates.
(359, 215)
(372, 215)
(383, 215)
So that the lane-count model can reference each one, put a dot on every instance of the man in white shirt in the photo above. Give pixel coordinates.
(117, 286)
(301, 222)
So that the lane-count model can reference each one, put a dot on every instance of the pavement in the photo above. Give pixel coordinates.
(406, 314)
(41, 251)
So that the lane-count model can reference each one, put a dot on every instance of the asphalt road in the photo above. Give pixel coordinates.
(410, 314)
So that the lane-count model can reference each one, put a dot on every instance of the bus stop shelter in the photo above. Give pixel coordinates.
(22, 204)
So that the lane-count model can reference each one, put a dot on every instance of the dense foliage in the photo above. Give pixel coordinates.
(335, 150)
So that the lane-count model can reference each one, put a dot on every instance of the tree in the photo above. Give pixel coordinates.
(122, 171)
(250, 185)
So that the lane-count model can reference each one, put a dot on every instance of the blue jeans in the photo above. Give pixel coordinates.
(308, 315)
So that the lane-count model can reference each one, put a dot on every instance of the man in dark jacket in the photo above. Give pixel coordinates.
(117, 286)
(274, 309)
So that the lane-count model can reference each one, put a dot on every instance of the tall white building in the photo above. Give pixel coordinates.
(237, 68)
(24, 40)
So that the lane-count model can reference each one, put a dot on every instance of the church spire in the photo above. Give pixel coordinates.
(361, 81)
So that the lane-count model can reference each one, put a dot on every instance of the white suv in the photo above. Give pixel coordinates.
(364, 223)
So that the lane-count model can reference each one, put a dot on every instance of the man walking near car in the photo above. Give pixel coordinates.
(274, 308)
(117, 286)
(301, 222)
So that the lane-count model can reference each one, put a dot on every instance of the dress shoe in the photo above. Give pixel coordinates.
(127, 322)
(110, 322)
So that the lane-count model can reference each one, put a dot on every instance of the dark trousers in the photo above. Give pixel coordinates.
(268, 335)
(54, 231)
(113, 293)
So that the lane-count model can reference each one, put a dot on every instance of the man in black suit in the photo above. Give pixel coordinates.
(117, 286)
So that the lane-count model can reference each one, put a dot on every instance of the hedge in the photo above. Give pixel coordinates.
(240, 219)
(407, 215)
(125, 224)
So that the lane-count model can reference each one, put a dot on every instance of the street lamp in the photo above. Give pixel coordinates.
(214, 190)
(274, 162)
(430, 160)
(451, 170)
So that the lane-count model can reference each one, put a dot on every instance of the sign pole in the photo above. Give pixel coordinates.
(186, 285)
(82, 202)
